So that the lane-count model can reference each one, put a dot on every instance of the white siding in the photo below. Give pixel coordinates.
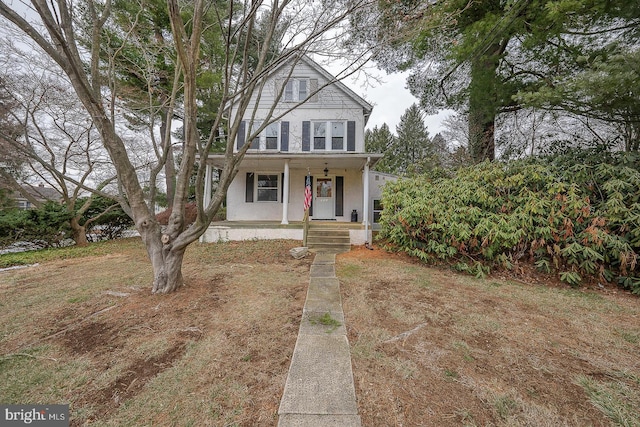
(333, 104)
(239, 210)
(377, 180)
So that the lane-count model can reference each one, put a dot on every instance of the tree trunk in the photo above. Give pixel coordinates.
(481, 136)
(167, 268)
(79, 233)
(483, 105)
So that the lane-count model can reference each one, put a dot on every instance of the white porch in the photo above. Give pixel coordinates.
(223, 231)
(248, 217)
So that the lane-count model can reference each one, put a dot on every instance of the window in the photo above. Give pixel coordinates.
(267, 190)
(337, 135)
(323, 187)
(255, 144)
(302, 90)
(288, 91)
(377, 210)
(271, 136)
(329, 136)
(268, 139)
(296, 89)
(319, 135)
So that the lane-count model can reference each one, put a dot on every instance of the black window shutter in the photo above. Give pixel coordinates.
(248, 194)
(313, 89)
(284, 136)
(241, 135)
(282, 187)
(339, 196)
(306, 136)
(351, 136)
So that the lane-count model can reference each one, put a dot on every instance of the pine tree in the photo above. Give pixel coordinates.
(380, 140)
(412, 145)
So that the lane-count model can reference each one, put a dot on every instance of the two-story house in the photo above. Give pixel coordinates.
(322, 139)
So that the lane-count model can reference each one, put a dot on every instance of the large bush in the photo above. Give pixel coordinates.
(47, 226)
(108, 220)
(576, 215)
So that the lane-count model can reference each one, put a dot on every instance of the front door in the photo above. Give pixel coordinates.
(323, 200)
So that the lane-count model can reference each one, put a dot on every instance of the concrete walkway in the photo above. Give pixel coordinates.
(319, 390)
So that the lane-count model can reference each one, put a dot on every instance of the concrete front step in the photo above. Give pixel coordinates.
(328, 232)
(331, 250)
(330, 239)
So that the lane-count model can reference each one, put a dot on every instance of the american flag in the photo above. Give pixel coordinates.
(307, 194)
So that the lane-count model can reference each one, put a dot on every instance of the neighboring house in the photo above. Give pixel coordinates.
(322, 138)
(40, 193)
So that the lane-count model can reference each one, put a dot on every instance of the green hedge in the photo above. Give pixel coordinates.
(578, 216)
(47, 225)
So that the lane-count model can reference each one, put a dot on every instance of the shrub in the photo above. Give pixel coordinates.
(576, 219)
(110, 221)
(47, 225)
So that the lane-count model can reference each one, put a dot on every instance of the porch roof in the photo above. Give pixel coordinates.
(301, 160)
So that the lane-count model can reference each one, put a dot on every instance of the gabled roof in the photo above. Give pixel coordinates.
(41, 192)
(335, 82)
(339, 84)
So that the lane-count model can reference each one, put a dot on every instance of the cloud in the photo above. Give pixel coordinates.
(390, 99)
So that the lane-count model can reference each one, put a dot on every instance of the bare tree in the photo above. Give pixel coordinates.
(58, 145)
(247, 61)
(10, 163)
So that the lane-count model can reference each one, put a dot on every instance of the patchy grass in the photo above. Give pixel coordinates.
(86, 331)
(52, 254)
(429, 347)
(434, 348)
(325, 320)
(618, 397)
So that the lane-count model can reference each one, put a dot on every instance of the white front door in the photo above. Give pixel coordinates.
(323, 204)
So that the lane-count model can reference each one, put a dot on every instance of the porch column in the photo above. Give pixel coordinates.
(285, 193)
(207, 192)
(365, 206)
(207, 185)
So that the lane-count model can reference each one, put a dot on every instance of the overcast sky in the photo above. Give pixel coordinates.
(390, 99)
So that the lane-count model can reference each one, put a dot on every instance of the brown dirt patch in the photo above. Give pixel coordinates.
(433, 348)
(219, 348)
(429, 347)
(136, 376)
(91, 336)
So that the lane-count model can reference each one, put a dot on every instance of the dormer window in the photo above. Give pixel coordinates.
(297, 89)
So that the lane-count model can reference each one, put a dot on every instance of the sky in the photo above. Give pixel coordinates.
(390, 98)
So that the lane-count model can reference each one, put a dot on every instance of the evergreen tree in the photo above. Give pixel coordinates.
(380, 140)
(413, 145)
(476, 57)
(440, 150)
